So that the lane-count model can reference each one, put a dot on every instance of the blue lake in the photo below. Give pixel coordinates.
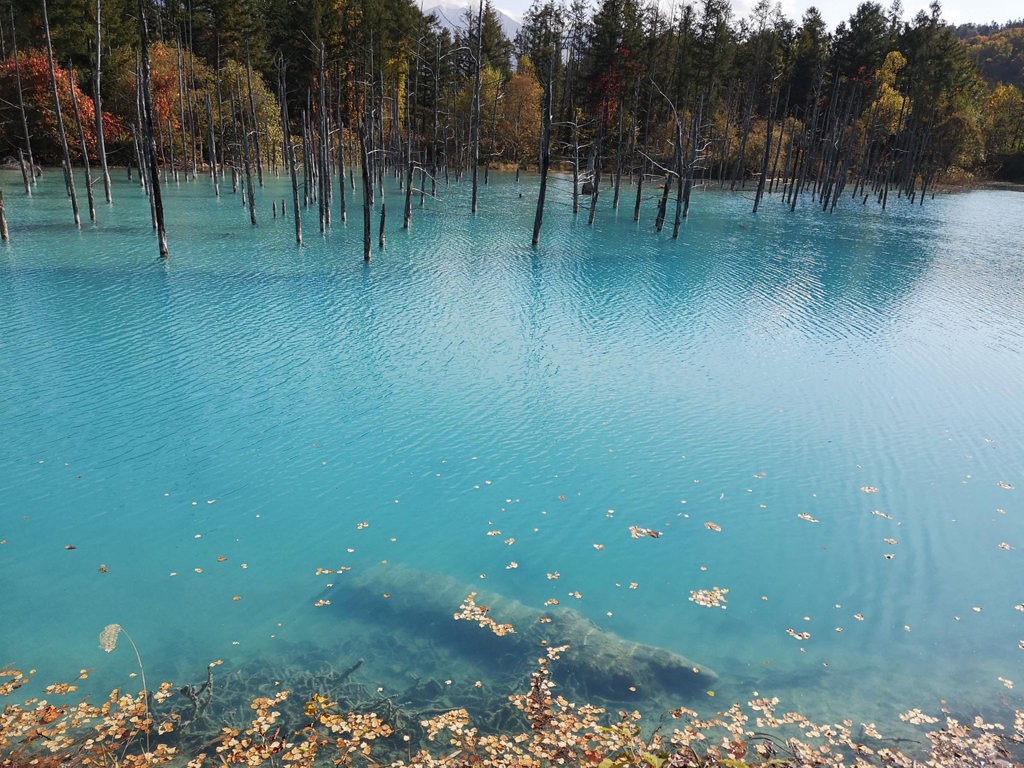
(820, 413)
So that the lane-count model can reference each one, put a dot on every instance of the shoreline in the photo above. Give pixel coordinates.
(944, 187)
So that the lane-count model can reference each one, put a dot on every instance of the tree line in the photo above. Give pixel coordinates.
(632, 100)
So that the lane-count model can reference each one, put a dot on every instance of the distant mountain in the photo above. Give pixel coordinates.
(451, 16)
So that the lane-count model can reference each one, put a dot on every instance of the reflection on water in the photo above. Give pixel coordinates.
(185, 445)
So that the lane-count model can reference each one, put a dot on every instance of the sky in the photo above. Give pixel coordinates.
(835, 11)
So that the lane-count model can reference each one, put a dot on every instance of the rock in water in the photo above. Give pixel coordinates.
(597, 663)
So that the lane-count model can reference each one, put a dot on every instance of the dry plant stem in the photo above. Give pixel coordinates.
(145, 687)
(109, 641)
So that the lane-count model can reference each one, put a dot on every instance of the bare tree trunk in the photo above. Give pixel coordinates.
(101, 146)
(341, 167)
(596, 178)
(410, 169)
(181, 112)
(170, 146)
(147, 102)
(618, 162)
(767, 150)
(4, 233)
(252, 112)
(85, 148)
(778, 147)
(24, 172)
(69, 178)
(246, 160)
(678, 220)
(367, 193)
(139, 162)
(322, 165)
(475, 125)
(640, 178)
(213, 146)
(289, 150)
(738, 169)
(21, 106)
(810, 136)
(659, 220)
(306, 159)
(694, 152)
(544, 159)
(494, 131)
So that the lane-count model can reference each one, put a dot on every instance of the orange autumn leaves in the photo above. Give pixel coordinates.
(470, 611)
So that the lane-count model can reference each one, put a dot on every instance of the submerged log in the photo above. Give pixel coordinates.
(597, 663)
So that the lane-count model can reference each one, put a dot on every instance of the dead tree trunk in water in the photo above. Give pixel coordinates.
(4, 234)
(678, 220)
(643, 156)
(367, 193)
(24, 172)
(691, 165)
(213, 146)
(181, 111)
(575, 168)
(545, 157)
(475, 127)
(101, 146)
(767, 148)
(246, 159)
(289, 149)
(85, 148)
(21, 107)
(147, 102)
(255, 119)
(69, 178)
(595, 182)
(618, 161)
(341, 166)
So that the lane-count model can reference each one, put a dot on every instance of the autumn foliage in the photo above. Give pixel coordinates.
(39, 110)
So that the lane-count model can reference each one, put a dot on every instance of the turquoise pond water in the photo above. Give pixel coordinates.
(259, 402)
